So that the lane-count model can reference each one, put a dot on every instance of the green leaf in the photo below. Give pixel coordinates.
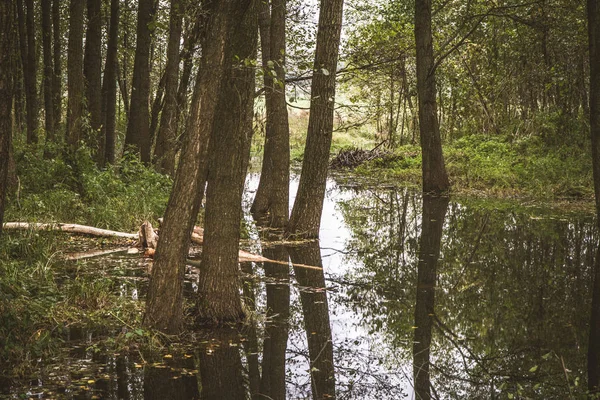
(533, 369)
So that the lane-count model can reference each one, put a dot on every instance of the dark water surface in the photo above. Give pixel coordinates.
(418, 298)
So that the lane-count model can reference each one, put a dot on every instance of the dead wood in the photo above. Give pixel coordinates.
(70, 228)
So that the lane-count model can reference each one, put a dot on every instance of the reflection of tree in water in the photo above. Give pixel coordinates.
(513, 292)
(316, 318)
(432, 222)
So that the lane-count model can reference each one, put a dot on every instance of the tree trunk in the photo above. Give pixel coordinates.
(305, 219)
(187, 56)
(138, 128)
(432, 222)
(316, 319)
(272, 196)
(57, 59)
(218, 287)
(157, 106)
(164, 304)
(593, 13)
(110, 86)
(48, 75)
(221, 369)
(75, 81)
(166, 142)
(92, 66)
(435, 179)
(27, 46)
(6, 95)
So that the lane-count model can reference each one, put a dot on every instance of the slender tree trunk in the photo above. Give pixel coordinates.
(6, 95)
(138, 128)
(166, 142)
(157, 106)
(27, 45)
(315, 309)
(593, 13)
(92, 66)
(434, 212)
(48, 75)
(75, 81)
(218, 288)
(272, 196)
(164, 308)
(187, 56)
(305, 219)
(110, 86)
(435, 179)
(57, 59)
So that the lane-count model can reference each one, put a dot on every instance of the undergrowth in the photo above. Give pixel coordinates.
(119, 197)
(497, 166)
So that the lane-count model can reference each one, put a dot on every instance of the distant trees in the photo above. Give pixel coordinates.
(6, 95)
(593, 14)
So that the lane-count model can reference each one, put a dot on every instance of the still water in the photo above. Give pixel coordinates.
(417, 298)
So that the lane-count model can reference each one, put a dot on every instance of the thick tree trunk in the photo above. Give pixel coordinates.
(75, 81)
(316, 319)
(110, 86)
(593, 11)
(305, 219)
(48, 75)
(164, 305)
(6, 95)
(435, 178)
(92, 66)
(218, 287)
(138, 127)
(57, 60)
(272, 196)
(432, 222)
(221, 369)
(27, 46)
(166, 141)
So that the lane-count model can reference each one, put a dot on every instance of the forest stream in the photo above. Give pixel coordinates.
(418, 297)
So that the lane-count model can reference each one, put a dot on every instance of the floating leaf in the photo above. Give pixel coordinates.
(325, 72)
(533, 369)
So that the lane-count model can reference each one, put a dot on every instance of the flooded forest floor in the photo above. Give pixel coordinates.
(510, 287)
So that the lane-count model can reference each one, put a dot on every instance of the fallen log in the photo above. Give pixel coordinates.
(142, 236)
(70, 228)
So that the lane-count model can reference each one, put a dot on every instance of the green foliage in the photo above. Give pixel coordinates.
(55, 190)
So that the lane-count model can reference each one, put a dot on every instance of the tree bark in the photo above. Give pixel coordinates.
(6, 96)
(27, 46)
(272, 196)
(138, 128)
(57, 60)
(166, 141)
(434, 212)
(110, 86)
(164, 304)
(187, 56)
(75, 81)
(435, 178)
(593, 14)
(92, 66)
(305, 219)
(218, 287)
(48, 70)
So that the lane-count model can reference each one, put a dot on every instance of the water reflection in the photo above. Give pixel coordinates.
(432, 222)
(501, 306)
